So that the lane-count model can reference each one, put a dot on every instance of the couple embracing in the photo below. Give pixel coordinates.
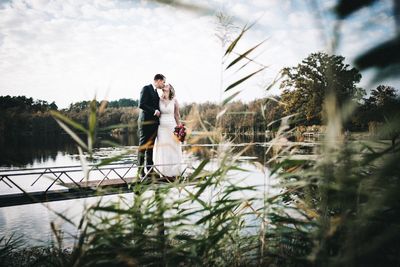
(157, 120)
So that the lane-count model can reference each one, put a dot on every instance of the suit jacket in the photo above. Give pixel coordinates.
(149, 102)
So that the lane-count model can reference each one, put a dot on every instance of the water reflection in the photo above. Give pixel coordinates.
(22, 152)
(33, 221)
(251, 146)
(33, 150)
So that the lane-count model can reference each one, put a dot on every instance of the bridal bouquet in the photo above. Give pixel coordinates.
(180, 132)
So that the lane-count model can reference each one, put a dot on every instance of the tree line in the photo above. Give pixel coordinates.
(303, 90)
(24, 116)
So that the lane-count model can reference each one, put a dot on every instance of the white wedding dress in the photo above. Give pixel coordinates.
(167, 152)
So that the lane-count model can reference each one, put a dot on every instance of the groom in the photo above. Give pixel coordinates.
(149, 119)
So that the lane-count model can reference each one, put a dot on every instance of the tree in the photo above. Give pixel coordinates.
(383, 106)
(123, 102)
(382, 95)
(304, 86)
(53, 106)
(78, 106)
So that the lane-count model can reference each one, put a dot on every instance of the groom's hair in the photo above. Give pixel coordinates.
(159, 77)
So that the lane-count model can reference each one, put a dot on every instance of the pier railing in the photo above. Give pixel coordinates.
(28, 185)
(24, 186)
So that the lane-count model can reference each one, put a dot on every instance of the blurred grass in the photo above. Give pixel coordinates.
(341, 209)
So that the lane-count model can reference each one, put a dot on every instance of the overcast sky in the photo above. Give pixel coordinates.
(72, 50)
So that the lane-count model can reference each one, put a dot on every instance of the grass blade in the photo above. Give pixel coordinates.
(68, 121)
(244, 55)
(243, 79)
(234, 42)
(228, 99)
(72, 134)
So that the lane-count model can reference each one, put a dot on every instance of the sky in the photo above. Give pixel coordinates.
(72, 50)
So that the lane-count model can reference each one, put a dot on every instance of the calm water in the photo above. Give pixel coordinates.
(32, 222)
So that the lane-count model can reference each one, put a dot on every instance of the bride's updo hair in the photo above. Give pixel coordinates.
(171, 92)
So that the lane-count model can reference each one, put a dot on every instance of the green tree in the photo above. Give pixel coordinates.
(382, 95)
(380, 105)
(304, 86)
(53, 106)
(78, 106)
(123, 102)
(383, 105)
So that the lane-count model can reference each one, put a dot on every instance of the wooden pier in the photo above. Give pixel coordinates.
(64, 185)
(74, 188)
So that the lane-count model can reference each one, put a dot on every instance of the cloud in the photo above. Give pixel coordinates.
(63, 47)
(67, 51)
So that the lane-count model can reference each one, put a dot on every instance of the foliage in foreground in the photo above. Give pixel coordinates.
(341, 209)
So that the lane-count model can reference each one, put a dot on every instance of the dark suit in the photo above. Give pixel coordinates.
(148, 123)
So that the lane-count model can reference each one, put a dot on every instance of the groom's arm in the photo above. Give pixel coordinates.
(143, 101)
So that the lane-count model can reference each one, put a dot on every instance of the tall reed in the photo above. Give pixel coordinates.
(340, 209)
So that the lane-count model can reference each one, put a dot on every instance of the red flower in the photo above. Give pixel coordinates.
(180, 132)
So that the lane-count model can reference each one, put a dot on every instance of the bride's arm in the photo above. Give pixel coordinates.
(177, 115)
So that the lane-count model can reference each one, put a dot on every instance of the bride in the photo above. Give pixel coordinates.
(167, 154)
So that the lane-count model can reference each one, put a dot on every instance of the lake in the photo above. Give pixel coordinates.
(32, 222)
